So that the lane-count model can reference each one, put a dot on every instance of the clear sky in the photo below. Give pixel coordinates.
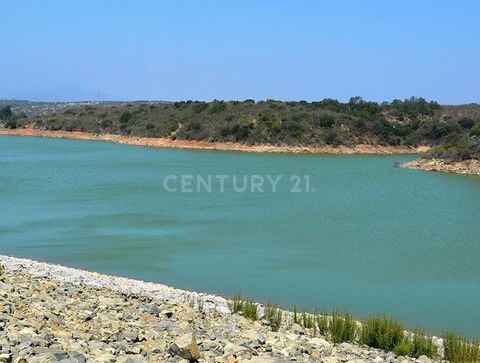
(201, 50)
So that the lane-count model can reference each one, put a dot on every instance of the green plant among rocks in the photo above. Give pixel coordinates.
(415, 344)
(404, 348)
(342, 327)
(323, 322)
(377, 331)
(295, 316)
(422, 344)
(460, 349)
(236, 305)
(380, 331)
(243, 306)
(308, 320)
(274, 315)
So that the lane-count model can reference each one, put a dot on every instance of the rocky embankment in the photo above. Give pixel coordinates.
(471, 167)
(50, 313)
(161, 142)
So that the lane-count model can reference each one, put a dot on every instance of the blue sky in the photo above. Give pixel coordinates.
(201, 50)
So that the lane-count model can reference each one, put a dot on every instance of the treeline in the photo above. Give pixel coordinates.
(454, 131)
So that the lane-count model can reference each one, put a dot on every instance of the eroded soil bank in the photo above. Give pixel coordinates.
(205, 145)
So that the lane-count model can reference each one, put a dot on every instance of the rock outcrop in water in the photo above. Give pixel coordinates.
(471, 167)
(51, 313)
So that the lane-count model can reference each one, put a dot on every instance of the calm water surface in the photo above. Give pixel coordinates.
(371, 238)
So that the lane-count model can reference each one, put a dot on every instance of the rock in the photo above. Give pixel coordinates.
(5, 288)
(137, 358)
(330, 360)
(170, 326)
(78, 357)
(265, 360)
(423, 359)
(105, 358)
(297, 329)
(5, 357)
(185, 347)
(321, 342)
(152, 309)
(234, 349)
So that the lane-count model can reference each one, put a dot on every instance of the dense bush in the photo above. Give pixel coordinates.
(380, 331)
(342, 327)
(273, 314)
(459, 349)
(6, 112)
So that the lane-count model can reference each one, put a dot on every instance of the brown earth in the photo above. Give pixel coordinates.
(205, 145)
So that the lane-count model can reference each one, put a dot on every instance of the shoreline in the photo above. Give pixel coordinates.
(220, 146)
(92, 307)
(465, 167)
(103, 281)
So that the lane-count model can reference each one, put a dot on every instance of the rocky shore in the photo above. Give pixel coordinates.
(470, 167)
(205, 145)
(51, 313)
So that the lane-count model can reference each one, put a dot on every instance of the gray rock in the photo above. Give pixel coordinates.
(170, 326)
(136, 358)
(423, 359)
(234, 349)
(152, 309)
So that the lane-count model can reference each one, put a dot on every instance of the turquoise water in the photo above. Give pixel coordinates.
(366, 237)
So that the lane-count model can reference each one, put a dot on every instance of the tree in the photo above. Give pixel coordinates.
(6, 112)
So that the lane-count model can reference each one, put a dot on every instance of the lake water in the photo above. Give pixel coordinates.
(365, 237)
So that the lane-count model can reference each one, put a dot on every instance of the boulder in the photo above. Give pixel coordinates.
(185, 347)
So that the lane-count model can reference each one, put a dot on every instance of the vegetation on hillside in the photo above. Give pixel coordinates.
(454, 131)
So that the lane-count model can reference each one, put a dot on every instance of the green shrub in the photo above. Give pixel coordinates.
(250, 310)
(422, 344)
(273, 314)
(322, 323)
(475, 131)
(243, 306)
(459, 349)
(342, 327)
(6, 112)
(324, 120)
(217, 106)
(295, 317)
(200, 107)
(11, 124)
(125, 117)
(308, 320)
(466, 122)
(380, 331)
(404, 348)
(236, 305)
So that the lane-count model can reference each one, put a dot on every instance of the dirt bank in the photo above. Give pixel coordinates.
(205, 145)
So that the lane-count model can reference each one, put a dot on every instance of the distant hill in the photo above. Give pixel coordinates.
(453, 131)
(34, 108)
